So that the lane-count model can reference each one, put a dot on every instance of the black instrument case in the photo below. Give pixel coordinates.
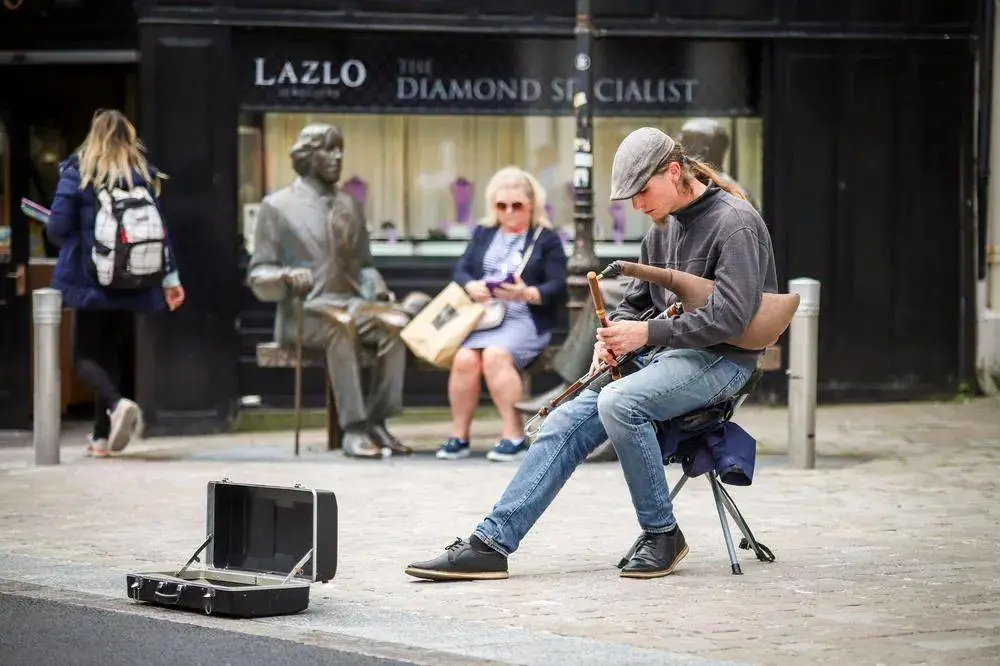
(265, 546)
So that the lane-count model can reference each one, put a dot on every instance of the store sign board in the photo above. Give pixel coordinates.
(473, 74)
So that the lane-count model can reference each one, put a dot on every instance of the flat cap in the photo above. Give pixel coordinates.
(636, 159)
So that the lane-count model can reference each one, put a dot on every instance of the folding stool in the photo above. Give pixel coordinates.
(692, 428)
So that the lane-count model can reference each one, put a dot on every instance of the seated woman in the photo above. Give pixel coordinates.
(515, 228)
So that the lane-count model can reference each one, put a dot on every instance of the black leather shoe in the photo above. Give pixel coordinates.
(358, 444)
(382, 437)
(532, 406)
(655, 555)
(462, 561)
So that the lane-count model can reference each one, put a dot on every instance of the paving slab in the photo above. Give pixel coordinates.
(886, 553)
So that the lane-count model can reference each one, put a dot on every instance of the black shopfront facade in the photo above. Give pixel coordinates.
(853, 124)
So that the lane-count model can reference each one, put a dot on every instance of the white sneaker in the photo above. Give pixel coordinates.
(126, 422)
(453, 449)
(97, 448)
(507, 451)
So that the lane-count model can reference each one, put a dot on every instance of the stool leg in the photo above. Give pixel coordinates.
(677, 488)
(763, 553)
(716, 491)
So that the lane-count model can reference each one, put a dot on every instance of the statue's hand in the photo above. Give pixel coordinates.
(299, 280)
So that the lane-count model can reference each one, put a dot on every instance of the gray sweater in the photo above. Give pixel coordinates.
(719, 237)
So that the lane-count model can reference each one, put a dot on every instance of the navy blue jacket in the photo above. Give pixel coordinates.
(718, 444)
(546, 269)
(71, 228)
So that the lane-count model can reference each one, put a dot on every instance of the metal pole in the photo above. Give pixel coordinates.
(583, 258)
(802, 355)
(47, 314)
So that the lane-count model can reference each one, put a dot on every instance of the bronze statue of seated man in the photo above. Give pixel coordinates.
(311, 241)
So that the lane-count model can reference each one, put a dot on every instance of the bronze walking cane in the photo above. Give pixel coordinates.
(298, 370)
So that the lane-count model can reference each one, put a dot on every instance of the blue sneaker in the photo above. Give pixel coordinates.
(454, 449)
(507, 451)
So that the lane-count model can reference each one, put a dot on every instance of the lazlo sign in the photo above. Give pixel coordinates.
(505, 76)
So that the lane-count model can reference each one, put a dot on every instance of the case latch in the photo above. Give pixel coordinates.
(207, 600)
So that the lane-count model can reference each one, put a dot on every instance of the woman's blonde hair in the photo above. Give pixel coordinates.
(111, 151)
(512, 176)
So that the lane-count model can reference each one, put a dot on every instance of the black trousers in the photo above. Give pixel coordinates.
(103, 353)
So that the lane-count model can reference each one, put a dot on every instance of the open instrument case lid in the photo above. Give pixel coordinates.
(271, 530)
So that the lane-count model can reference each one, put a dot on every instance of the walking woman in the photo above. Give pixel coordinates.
(110, 163)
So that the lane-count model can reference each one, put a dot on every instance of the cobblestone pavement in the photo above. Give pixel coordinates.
(887, 553)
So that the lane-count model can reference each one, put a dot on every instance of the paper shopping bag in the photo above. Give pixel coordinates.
(437, 332)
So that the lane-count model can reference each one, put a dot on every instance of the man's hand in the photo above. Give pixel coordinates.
(174, 297)
(477, 290)
(621, 337)
(602, 355)
(299, 280)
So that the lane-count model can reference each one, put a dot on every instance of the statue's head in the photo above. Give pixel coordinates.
(319, 152)
(705, 139)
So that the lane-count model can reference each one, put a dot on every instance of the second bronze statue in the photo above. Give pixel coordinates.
(772, 318)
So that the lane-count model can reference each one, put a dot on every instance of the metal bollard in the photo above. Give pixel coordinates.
(802, 356)
(46, 307)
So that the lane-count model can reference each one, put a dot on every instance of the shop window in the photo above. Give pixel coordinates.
(48, 145)
(423, 176)
(250, 178)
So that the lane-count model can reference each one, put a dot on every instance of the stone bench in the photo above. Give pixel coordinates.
(274, 355)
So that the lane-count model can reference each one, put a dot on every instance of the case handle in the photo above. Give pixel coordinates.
(164, 598)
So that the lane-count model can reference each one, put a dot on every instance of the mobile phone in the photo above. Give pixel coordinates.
(492, 284)
(35, 211)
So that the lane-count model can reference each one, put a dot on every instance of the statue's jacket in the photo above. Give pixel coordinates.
(297, 227)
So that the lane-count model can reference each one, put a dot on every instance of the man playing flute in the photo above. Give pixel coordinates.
(703, 226)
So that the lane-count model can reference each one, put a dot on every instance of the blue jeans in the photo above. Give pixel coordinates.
(666, 385)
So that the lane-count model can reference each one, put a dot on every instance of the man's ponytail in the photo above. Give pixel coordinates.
(704, 172)
(694, 169)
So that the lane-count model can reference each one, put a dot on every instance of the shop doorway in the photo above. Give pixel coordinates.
(44, 117)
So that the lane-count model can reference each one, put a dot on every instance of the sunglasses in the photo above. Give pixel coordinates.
(516, 206)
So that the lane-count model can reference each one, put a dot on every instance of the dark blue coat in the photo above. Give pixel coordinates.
(546, 269)
(717, 444)
(71, 228)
